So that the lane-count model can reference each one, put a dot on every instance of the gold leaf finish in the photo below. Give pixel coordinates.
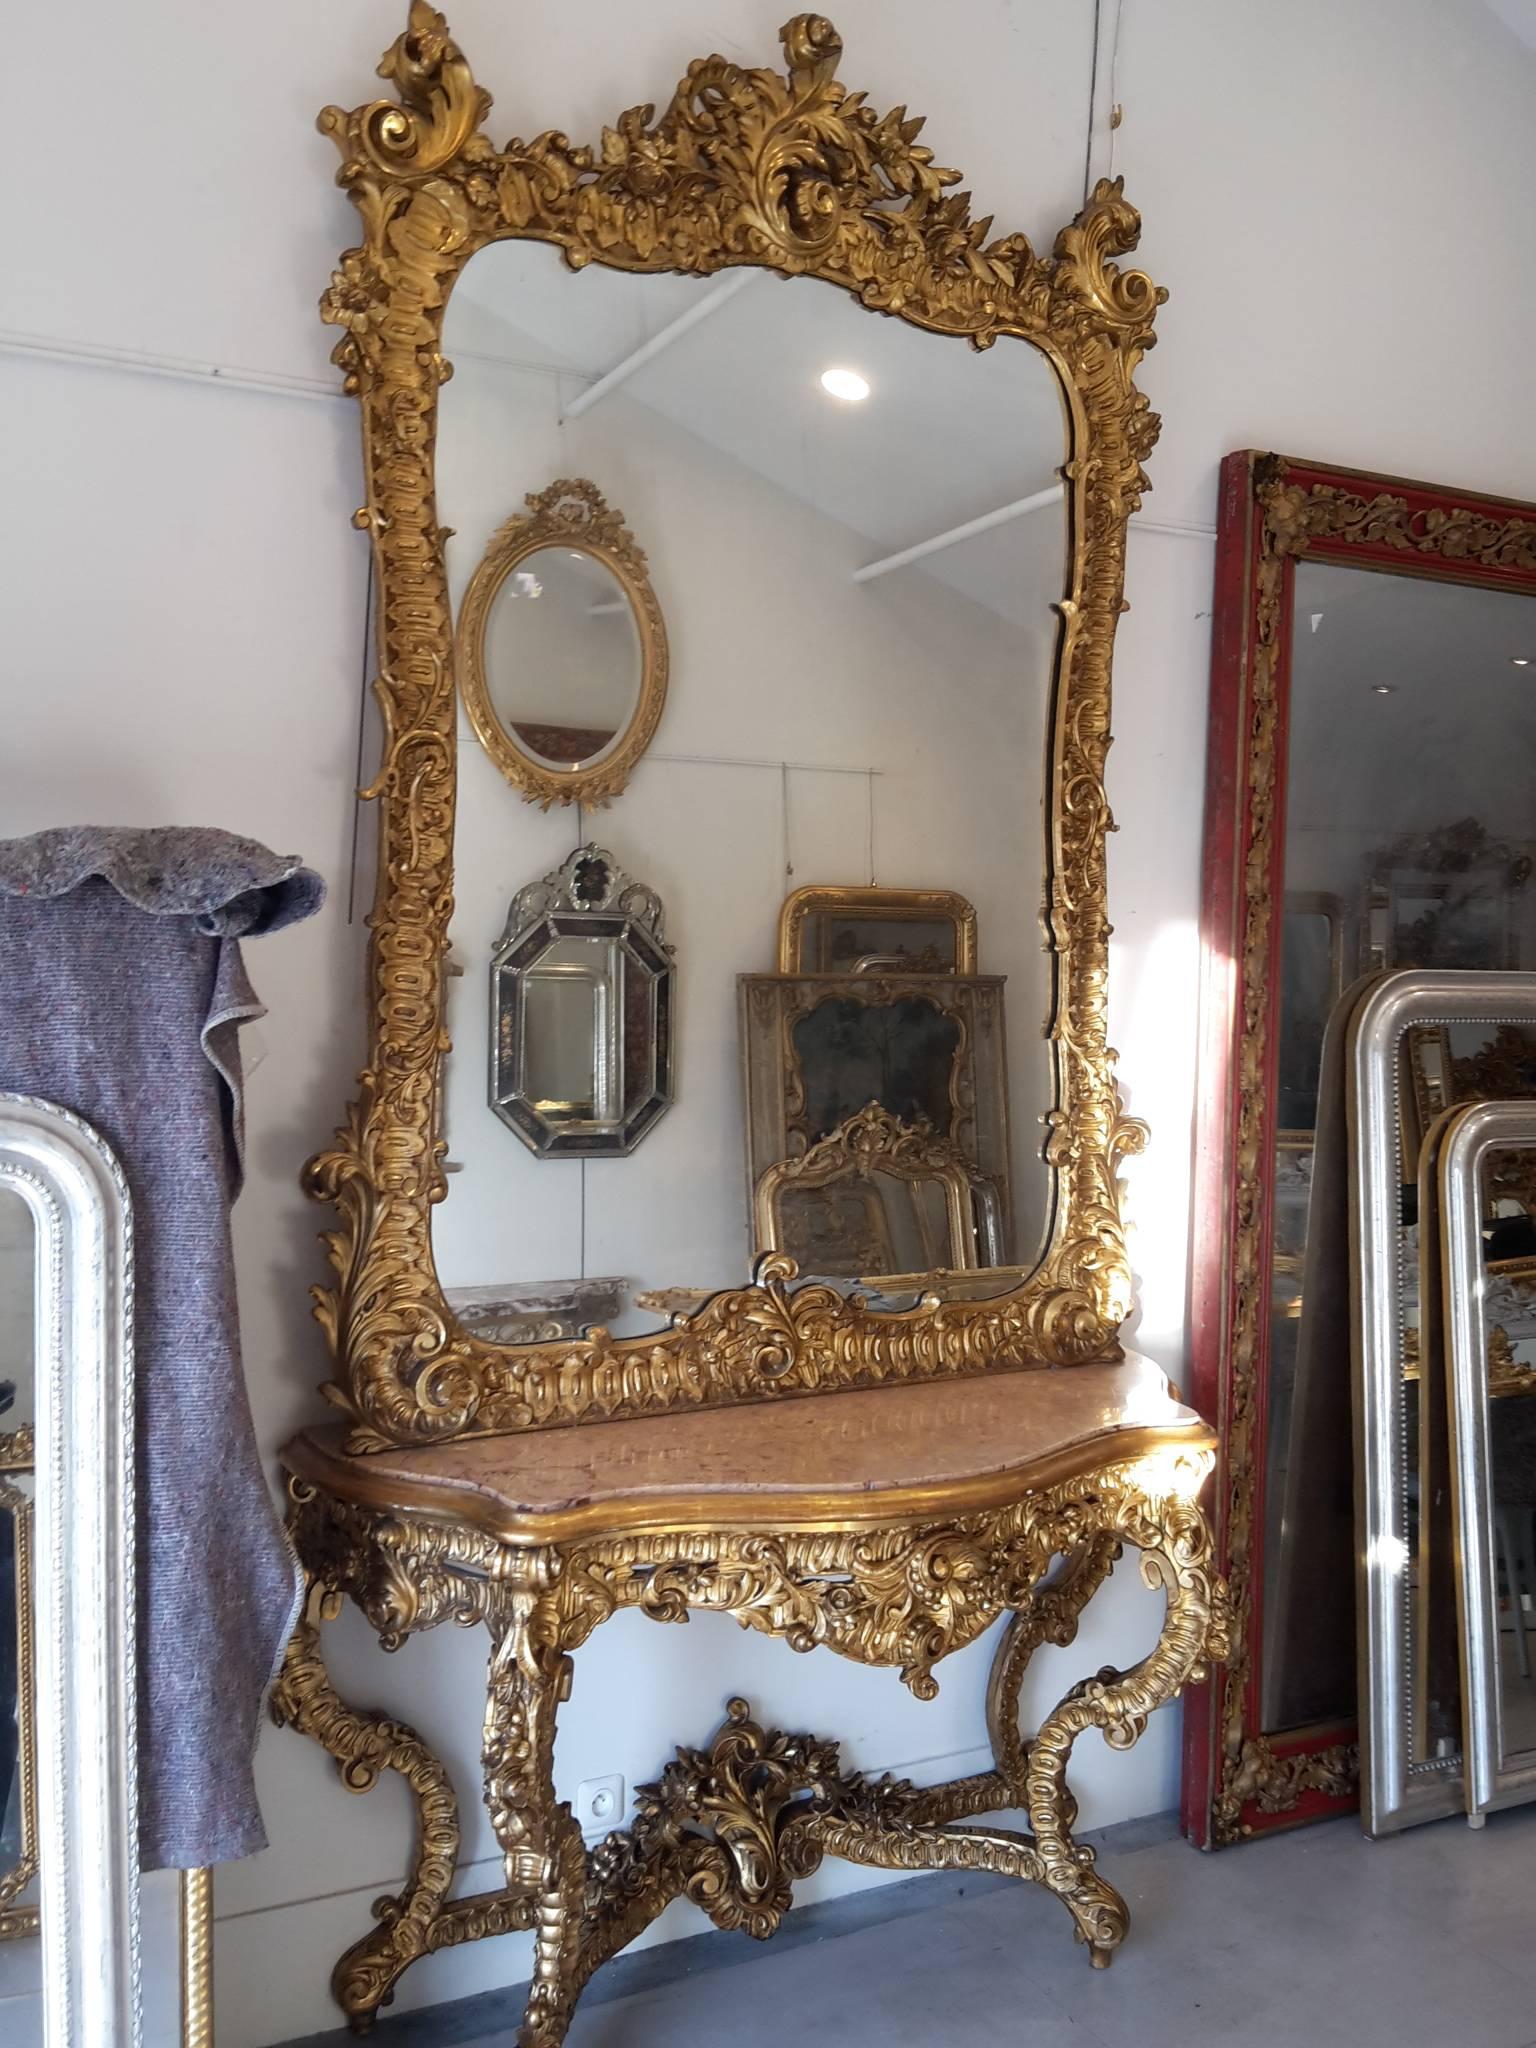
(794, 173)
(571, 513)
(735, 1826)
(815, 899)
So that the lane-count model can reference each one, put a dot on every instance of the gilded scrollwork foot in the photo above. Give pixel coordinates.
(544, 1854)
(364, 1744)
(1153, 1508)
(1050, 1616)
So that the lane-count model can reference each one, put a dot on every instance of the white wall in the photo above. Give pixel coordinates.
(1337, 195)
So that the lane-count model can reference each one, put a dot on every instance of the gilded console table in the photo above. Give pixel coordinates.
(880, 1482)
(892, 1525)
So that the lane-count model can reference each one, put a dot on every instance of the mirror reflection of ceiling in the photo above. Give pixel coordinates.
(562, 654)
(1408, 711)
(746, 379)
(821, 725)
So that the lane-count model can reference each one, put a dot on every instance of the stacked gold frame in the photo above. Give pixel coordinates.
(815, 899)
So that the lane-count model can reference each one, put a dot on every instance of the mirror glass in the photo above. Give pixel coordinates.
(567, 1001)
(857, 696)
(1389, 862)
(563, 661)
(1509, 1319)
(18, 1847)
(883, 1224)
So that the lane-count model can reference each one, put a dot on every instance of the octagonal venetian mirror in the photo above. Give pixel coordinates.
(581, 1011)
(561, 649)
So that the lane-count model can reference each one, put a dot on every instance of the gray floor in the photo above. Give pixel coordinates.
(1311, 1940)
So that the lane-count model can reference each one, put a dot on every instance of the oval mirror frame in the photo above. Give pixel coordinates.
(794, 173)
(571, 513)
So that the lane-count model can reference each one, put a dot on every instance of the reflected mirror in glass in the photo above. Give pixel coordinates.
(562, 656)
(833, 715)
(581, 1011)
(1509, 1315)
(1408, 843)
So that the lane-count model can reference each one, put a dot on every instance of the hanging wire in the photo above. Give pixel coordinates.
(784, 847)
(1093, 94)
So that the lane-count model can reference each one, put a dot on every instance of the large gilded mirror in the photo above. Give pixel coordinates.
(881, 464)
(1373, 735)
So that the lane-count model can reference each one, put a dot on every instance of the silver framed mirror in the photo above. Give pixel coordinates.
(1489, 1307)
(1411, 1763)
(74, 1258)
(581, 1011)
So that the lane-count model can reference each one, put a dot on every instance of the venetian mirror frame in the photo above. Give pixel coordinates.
(570, 513)
(793, 173)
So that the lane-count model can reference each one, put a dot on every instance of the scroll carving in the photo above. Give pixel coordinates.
(736, 1825)
(795, 173)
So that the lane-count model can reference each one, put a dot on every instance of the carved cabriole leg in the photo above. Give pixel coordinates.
(1169, 1530)
(343, 1554)
(540, 1841)
(1049, 1615)
(364, 1744)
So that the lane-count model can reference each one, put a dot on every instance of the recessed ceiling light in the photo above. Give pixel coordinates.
(1382, 689)
(1519, 661)
(846, 384)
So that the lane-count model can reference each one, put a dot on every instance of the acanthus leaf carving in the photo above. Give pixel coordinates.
(795, 173)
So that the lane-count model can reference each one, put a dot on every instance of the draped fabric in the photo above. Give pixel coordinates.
(122, 991)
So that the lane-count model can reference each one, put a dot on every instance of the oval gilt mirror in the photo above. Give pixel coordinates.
(561, 650)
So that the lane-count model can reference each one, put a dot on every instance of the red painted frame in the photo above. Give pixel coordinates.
(1226, 891)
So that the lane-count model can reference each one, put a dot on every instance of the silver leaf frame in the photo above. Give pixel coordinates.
(1397, 1789)
(86, 1666)
(1466, 1137)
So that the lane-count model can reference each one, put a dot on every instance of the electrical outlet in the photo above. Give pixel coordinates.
(599, 1805)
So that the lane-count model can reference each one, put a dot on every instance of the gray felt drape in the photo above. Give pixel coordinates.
(122, 990)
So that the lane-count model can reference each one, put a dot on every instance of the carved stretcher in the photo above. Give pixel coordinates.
(892, 1525)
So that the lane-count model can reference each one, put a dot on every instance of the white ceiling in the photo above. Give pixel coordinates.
(947, 434)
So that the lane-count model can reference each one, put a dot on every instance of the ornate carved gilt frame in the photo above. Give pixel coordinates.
(877, 905)
(873, 1142)
(1275, 510)
(793, 173)
(570, 513)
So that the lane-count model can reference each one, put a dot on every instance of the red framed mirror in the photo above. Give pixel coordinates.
(1371, 748)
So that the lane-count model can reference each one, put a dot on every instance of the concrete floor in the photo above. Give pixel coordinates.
(1317, 1939)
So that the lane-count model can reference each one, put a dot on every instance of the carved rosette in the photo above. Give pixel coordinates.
(793, 172)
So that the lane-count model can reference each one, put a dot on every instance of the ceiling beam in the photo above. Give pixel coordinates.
(622, 371)
(1035, 502)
